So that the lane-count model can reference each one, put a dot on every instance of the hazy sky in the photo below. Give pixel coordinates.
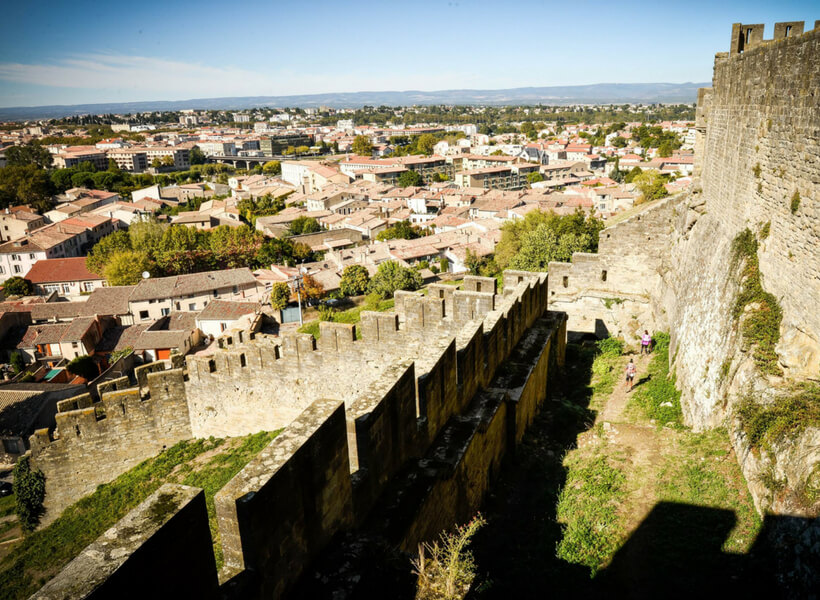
(63, 52)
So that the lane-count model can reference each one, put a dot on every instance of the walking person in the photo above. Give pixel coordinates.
(631, 369)
(646, 339)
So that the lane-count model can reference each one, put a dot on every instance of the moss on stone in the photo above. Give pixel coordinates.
(786, 418)
(758, 310)
(795, 203)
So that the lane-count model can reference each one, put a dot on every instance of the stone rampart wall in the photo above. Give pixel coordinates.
(323, 474)
(96, 441)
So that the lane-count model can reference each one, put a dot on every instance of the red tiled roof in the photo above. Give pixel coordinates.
(57, 270)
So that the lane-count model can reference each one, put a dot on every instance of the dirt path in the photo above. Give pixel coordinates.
(614, 409)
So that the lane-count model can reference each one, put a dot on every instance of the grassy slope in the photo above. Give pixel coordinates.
(207, 463)
(352, 315)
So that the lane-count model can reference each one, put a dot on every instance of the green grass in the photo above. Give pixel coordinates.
(604, 378)
(43, 553)
(593, 528)
(703, 472)
(657, 387)
(7, 504)
(795, 203)
(352, 315)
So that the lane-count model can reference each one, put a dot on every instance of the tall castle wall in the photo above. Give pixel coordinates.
(669, 266)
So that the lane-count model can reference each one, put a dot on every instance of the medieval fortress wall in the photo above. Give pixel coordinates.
(669, 267)
(422, 409)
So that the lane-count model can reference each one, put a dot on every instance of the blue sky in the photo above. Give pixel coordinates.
(63, 52)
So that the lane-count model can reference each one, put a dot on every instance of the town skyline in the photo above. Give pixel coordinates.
(266, 52)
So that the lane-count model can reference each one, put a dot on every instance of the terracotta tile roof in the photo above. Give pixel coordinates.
(57, 270)
(224, 310)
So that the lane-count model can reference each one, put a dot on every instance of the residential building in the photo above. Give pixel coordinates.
(69, 277)
(17, 221)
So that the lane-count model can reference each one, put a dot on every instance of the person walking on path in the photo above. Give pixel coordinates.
(646, 339)
(631, 369)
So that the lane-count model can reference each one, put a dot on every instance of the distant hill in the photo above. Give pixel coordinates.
(599, 93)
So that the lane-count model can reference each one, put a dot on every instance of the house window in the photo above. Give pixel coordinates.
(178, 308)
(603, 275)
(15, 257)
(50, 287)
(17, 269)
(2, 270)
(88, 286)
(75, 345)
(66, 288)
(566, 281)
(165, 311)
(192, 306)
(143, 315)
(216, 293)
(31, 256)
(235, 289)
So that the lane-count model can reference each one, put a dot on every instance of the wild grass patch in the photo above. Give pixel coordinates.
(655, 395)
(43, 553)
(786, 418)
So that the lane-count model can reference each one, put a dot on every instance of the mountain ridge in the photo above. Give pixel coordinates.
(597, 93)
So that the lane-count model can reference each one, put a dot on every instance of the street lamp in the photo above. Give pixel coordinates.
(297, 282)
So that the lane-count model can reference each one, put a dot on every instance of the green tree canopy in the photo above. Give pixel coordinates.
(102, 251)
(354, 281)
(126, 267)
(17, 286)
(426, 142)
(279, 295)
(410, 178)
(576, 230)
(401, 230)
(272, 167)
(304, 224)
(651, 184)
(535, 177)
(27, 184)
(391, 276)
(28, 154)
(29, 493)
(362, 146)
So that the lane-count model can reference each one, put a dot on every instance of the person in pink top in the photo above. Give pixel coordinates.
(646, 340)
(631, 369)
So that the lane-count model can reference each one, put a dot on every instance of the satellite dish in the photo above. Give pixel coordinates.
(146, 274)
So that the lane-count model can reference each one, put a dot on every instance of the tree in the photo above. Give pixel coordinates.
(303, 224)
(156, 163)
(311, 289)
(29, 493)
(272, 167)
(652, 186)
(443, 265)
(102, 251)
(401, 230)
(665, 149)
(544, 245)
(17, 286)
(197, 156)
(618, 142)
(362, 146)
(354, 280)
(279, 295)
(535, 177)
(16, 361)
(629, 177)
(29, 154)
(410, 178)
(83, 366)
(426, 142)
(27, 184)
(126, 267)
(146, 235)
(391, 276)
(167, 161)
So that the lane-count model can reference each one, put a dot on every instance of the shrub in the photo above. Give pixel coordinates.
(765, 230)
(17, 286)
(611, 346)
(83, 366)
(279, 295)
(786, 418)
(756, 170)
(354, 280)
(758, 310)
(391, 276)
(795, 204)
(450, 569)
(30, 491)
(16, 360)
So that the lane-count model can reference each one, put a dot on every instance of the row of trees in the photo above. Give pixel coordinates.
(164, 250)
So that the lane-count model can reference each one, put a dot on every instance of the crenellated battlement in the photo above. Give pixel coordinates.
(407, 393)
(746, 37)
(125, 427)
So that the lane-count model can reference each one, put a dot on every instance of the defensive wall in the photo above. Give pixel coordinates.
(669, 267)
(406, 428)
